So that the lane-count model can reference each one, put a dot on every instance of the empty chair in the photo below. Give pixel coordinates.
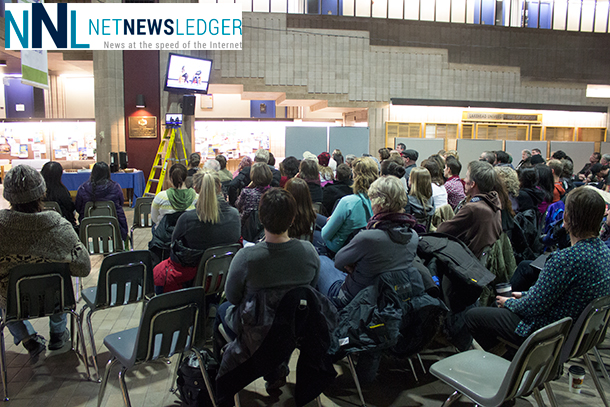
(101, 234)
(124, 278)
(213, 268)
(171, 323)
(37, 291)
(588, 331)
(141, 215)
(489, 380)
(100, 208)
(52, 206)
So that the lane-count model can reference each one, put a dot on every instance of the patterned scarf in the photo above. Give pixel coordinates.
(389, 220)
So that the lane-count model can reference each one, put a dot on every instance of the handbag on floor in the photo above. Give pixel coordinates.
(191, 386)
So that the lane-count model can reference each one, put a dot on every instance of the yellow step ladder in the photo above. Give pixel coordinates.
(168, 151)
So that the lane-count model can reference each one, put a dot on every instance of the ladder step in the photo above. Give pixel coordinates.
(153, 180)
(157, 166)
(149, 194)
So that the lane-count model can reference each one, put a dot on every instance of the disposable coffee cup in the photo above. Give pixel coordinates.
(504, 290)
(577, 376)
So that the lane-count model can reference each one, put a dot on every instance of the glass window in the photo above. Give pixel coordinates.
(427, 10)
(380, 8)
(574, 15)
(560, 14)
(443, 9)
(586, 19)
(412, 9)
(363, 8)
(458, 11)
(601, 16)
(395, 9)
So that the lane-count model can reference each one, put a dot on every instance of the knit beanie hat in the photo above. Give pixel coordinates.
(23, 184)
(323, 159)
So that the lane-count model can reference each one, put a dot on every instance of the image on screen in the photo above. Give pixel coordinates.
(188, 74)
(173, 119)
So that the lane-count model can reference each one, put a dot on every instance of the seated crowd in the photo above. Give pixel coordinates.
(346, 228)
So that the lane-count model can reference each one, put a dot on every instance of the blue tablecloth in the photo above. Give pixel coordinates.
(127, 180)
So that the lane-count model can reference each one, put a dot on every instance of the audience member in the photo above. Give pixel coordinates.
(289, 168)
(224, 174)
(100, 187)
(510, 179)
(454, 185)
(545, 182)
(605, 159)
(599, 176)
(420, 203)
(439, 193)
(349, 159)
(504, 159)
(536, 159)
(337, 159)
(530, 195)
(305, 219)
(559, 155)
(250, 196)
(259, 275)
(308, 171)
(57, 191)
(242, 180)
(479, 222)
(353, 211)
(570, 280)
(400, 147)
(213, 223)
(526, 155)
(340, 187)
(31, 235)
(567, 174)
(213, 165)
(271, 160)
(178, 198)
(488, 156)
(410, 160)
(536, 151)
(245, 162)
(557, 169)
(586, 170)
(384, 154)
(454, 154)
(326, 174)
(194, 161)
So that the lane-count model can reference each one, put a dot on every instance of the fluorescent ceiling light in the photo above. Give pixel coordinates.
(598, 91)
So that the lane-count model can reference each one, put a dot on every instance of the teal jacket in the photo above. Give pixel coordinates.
(352, 212)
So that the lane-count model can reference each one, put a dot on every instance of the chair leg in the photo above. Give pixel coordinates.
(550, 394)
(3, 362)
(93, 347)
(452, 399)
(206, 378)
(593, 374)
(174, 387)
(77, 293)
(352, 368)
(124, 387)
(421, 363)
(100, 395)
(413, 370)
(538, 398)
(601, 363)
(79, 325)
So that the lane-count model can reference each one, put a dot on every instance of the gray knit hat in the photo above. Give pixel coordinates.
(23, 184)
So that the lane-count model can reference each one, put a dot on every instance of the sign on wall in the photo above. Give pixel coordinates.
(142, 127)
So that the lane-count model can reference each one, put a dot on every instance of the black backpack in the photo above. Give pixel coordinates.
(191, 386)
(252, 229)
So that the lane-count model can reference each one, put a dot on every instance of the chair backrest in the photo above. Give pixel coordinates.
(52, 206)
(588, 330)
(214, 267)
(141, 213)
(535, 360)
(125, 278)
(38, 290)
(101, 234)
(171, 323)
(100, 208)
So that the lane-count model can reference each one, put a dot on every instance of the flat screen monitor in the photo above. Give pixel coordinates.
(186, 74)
(173, 119)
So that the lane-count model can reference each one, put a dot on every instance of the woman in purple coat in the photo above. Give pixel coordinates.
(100, 187)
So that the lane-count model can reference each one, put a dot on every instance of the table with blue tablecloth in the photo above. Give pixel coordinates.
(127, 180)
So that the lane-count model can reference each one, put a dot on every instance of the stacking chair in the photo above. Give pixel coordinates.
(588, 331)
(124, 278)
(489, 380)
(52, 206)
(101, 234)
(37, 291)
(100, 208)
(214, 267)
(171, 323)
(141, 215)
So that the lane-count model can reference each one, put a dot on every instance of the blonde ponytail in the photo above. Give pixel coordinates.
(207, 204)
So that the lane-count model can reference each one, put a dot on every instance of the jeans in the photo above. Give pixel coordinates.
(330, 281)
(22, 330)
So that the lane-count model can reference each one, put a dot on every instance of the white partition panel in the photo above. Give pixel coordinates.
(579, 151)
(605, 148)
(515, 147)
(350, 140)
(470, 150)
(301, 139)
(424, 146)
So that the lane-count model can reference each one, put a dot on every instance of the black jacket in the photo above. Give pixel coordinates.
(242, 180)
(161, 240)
(529, 198)
(296, 324)
(331, 193)
(315, 190)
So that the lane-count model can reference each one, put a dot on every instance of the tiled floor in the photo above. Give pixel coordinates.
(58, 379)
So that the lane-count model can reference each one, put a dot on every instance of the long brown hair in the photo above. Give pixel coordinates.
(305, 216)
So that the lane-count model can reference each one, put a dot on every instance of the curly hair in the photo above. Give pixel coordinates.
(509, 177)
(365, 173)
